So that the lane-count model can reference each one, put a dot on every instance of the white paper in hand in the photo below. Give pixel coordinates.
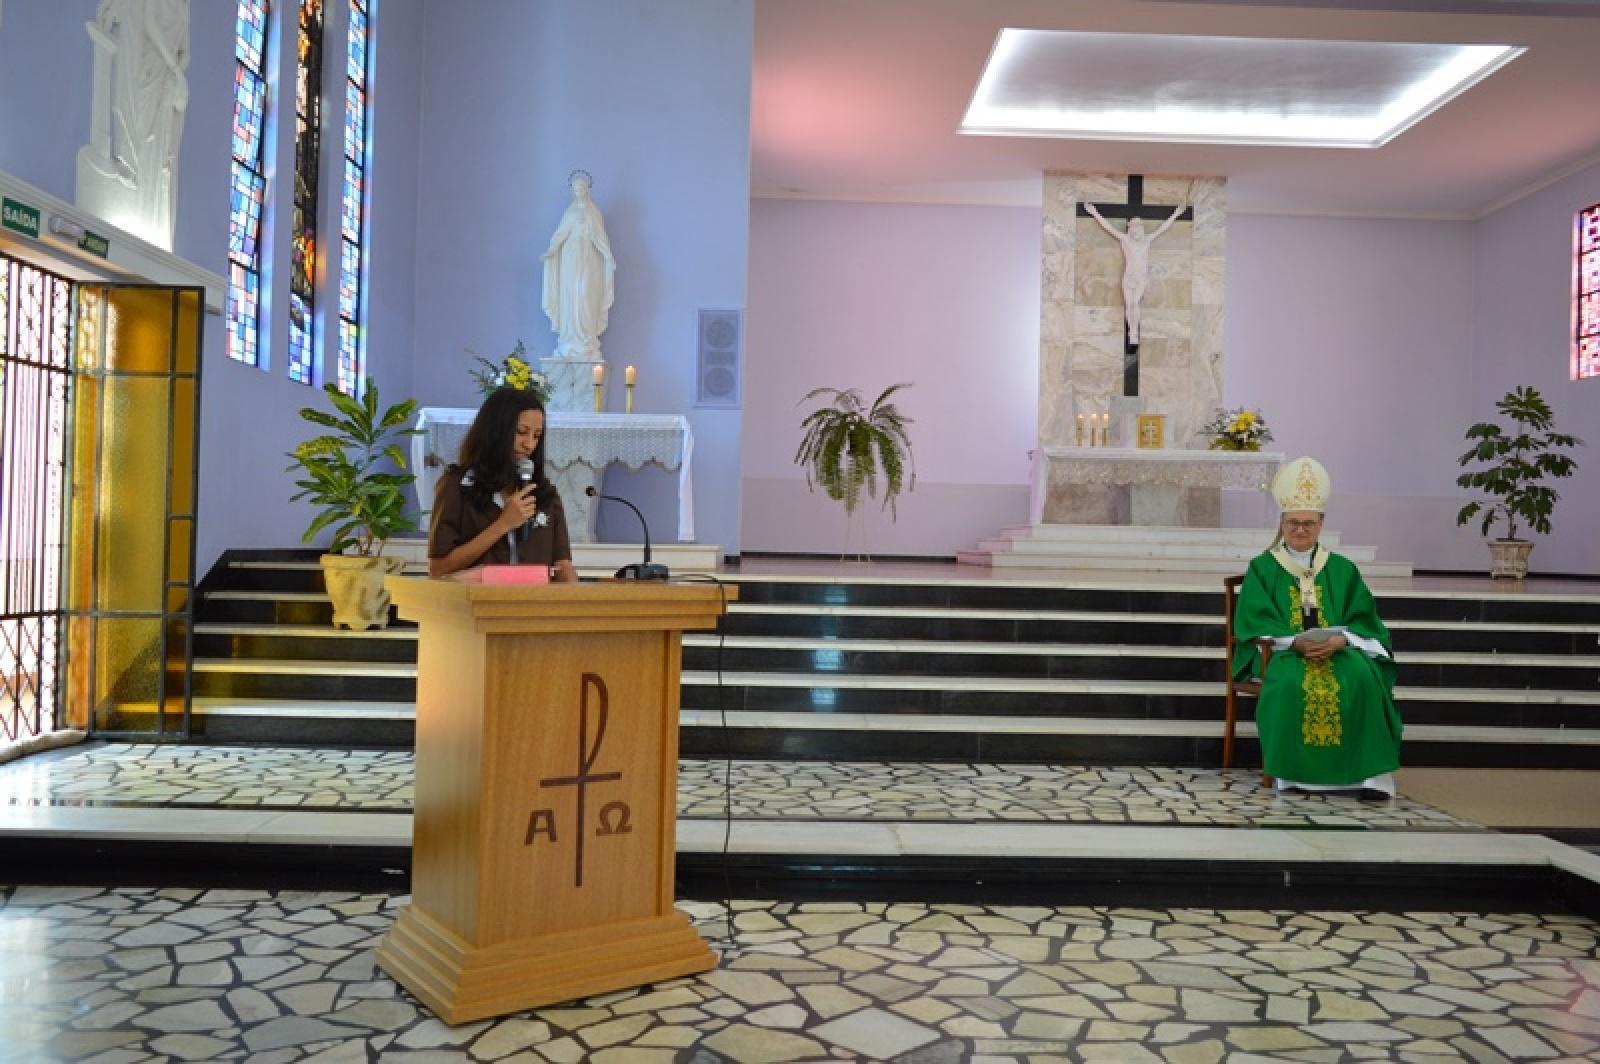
(1320, 635)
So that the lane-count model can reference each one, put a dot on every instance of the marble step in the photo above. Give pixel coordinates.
(847, 736)
(1222, 566)
(1256, 538)
(919, 694)
(824, 660)
(1240, 554)
(947, 632)
(287, 708)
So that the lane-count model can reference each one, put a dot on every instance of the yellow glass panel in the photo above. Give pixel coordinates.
(191, 311)
(183, 452)
(132, 494)
(128, 667)
(177, 632)
(179, 529)
(81, 498)
(139, 330)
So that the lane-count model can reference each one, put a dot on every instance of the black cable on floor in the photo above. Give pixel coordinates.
(728, 940)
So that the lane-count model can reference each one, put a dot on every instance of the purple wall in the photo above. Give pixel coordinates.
(1354, 339)
(651, 98)
(1522, 293)
(41, 129)
(848, 295)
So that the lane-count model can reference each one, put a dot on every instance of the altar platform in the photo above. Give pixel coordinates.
(1010, 852)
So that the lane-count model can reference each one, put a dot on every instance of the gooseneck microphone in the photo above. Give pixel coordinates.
(525, 476)
(638, 570)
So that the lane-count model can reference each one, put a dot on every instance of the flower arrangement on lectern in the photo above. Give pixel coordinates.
(348, 473)
(846, 446)
(1237, 430)
(513, 371)
(1512, 473)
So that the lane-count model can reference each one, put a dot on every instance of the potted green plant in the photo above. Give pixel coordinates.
(346, 476)
(846, 446)
(1513, 471)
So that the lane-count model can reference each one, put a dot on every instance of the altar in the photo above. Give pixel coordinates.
(1137, 486)
(577, 449)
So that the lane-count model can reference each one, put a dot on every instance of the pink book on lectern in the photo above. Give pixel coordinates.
(504, 574)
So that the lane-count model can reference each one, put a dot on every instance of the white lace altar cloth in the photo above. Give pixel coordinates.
(593, 440)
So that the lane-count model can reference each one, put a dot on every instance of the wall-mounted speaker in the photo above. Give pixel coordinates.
(717, 359)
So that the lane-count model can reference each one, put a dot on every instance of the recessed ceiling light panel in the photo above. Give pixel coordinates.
(1228, 90)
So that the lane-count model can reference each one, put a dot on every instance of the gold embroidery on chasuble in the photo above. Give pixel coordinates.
(1321, 724)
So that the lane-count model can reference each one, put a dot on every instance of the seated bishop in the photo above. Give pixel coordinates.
(1326, 712)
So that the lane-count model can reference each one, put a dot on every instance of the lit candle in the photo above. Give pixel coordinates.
(599, 373)
(1080, 422)
(629, 375)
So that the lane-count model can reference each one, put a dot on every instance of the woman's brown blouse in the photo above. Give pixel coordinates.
(458, 517)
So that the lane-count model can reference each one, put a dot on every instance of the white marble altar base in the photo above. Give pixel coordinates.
(1147, 549)
(1130, 486)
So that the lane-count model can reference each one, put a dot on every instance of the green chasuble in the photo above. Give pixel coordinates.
(1329, 722)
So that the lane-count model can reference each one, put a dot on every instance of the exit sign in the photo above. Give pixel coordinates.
(19, 216)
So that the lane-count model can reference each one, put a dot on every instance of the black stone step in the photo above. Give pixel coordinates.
(1132, 704)
(824, 662)
(319, 648)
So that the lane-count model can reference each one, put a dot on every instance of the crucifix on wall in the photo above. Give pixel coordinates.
(1135, 243)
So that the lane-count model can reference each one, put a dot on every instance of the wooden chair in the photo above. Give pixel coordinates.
(1235, 688)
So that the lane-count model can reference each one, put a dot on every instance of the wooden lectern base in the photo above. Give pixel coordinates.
(544, 831)
(462, 984)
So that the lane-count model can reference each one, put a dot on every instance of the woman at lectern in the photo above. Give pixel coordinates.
(494, 506)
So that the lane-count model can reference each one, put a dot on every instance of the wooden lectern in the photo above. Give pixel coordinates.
(546, 795)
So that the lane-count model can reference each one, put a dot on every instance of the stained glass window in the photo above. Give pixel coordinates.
(1586, 290)
(307, 161)
(352, 213)
(248, 183)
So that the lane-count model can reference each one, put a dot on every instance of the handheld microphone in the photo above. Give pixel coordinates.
(525, 476)
(638, 570)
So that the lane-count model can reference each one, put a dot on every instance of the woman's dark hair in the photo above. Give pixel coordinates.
(486, 451)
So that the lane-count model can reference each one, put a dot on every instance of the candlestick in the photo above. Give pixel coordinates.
(1105, 430)
(629, 375)
(599, 390)
(629, 406)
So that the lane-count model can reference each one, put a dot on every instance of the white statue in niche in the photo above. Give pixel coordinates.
(578, 275)
(128, 172)
(1135, 260)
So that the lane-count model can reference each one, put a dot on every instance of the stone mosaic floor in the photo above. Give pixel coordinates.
(128, 975)
(381, 781)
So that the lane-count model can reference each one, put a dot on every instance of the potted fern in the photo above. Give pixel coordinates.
(1513, 470)
(344, 474)
(847, 446)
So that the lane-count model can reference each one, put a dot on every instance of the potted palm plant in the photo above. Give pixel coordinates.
(1512, 472)
(346, 475)
(847, 446)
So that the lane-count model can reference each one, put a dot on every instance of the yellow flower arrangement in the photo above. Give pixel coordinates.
(1237, 430)
(513, 371)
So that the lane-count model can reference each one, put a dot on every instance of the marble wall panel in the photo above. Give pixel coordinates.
(1081, 325)
(1207, 280)
(1101, 188)
(1210, 216)
(1165, 292)
(1055, 396)
(1100, 277)
(1162, 323)
(1173, 190)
